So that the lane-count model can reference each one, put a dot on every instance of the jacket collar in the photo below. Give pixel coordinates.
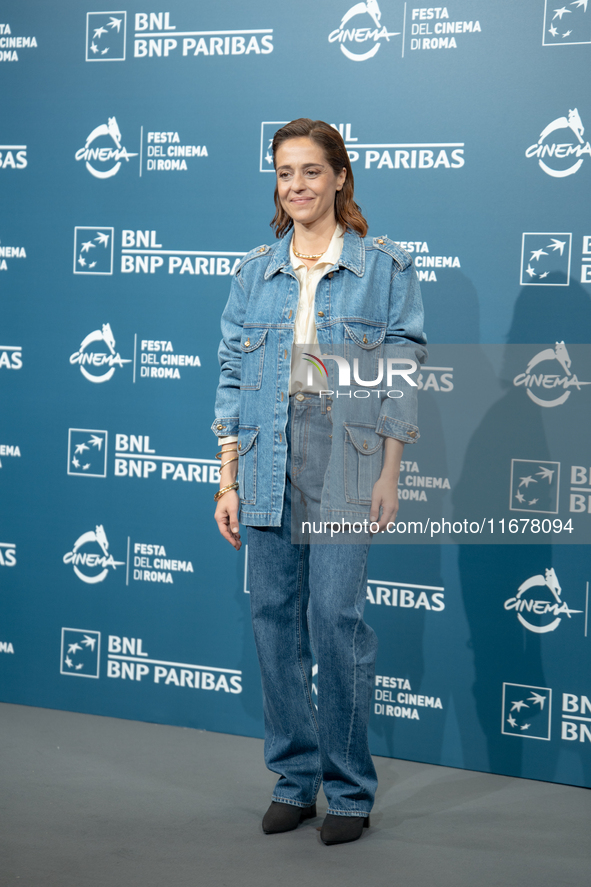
(352, 256)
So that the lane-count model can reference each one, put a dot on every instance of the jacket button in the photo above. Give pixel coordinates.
(329, 408)
(380, 240)
(299, 396)
(365, 340)
(247, 343)
(321, 314)
(330, 273)
(221, 427)
(262, 249)
(364, 444)
(412, 434)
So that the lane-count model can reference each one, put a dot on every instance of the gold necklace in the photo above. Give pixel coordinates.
(304, 256)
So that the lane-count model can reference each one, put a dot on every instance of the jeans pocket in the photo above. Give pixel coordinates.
(247, 463)
(363, 461)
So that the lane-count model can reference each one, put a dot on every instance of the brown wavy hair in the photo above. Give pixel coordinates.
(348, 214)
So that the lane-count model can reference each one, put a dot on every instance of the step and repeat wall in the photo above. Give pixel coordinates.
(135, 173)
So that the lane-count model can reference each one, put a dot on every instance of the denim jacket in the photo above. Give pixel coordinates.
(368, 301)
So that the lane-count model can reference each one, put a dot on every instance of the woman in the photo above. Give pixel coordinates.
(324, 285)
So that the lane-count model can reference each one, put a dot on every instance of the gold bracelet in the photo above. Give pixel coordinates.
(224, 452)
(227, 489)
(227, 462)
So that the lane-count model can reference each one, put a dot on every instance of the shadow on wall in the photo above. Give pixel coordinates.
(444, 325)
(505, 651)
(551, 314)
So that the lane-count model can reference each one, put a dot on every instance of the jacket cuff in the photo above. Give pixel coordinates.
(224, 426)
(389, 427)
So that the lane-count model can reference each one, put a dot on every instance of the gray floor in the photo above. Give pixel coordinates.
(90, 801)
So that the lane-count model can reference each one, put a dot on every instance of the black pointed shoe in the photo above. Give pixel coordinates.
(285, 817)
(342, 829)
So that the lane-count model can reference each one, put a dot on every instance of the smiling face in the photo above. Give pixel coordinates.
(306, 182)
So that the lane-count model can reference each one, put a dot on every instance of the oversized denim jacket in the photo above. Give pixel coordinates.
(369, 300)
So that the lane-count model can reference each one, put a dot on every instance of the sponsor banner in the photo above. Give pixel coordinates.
(7, 253)
(98, 358)
(395, 698)
(13, 157)
(134, 457)
(528, 713)
(140, 252)
(540, 607)
(567, 25)
(167, 152)
(561, 149)
(87, 452)
(11, 42)
(7, 554)
(9, 451)
(156, 36)
(105, 36)
(379, 155)
(545, 259)
(93, 250)
(548, 379)
(415, 486)
(104, 153)
(127, 659)
(363, 32)
(80, 653)
(90, 557)
(11, 357)
(425, 263)
(406, 596)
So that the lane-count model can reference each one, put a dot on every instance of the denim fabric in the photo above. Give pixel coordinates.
(307, 602)
(368, 301)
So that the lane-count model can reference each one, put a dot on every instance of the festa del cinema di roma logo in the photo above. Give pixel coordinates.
(91, 552)
(551, 607)
(111, 359)
(548, 381)
(103, 151)
(347, 32)
(556, 158)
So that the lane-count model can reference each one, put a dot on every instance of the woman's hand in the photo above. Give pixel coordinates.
(385, 496)
(226, 517)
(385, 490)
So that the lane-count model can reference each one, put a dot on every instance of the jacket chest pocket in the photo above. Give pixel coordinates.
(363, 349)
(363, 462)
(247, 463)
(252, 345)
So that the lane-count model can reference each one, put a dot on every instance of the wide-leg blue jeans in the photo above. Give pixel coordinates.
(307, 602)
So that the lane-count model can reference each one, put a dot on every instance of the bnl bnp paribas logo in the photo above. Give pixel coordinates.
(569, 24)
(527, 711)
(103, 151)
(543, 376)
(105, 36)
(90, 556)
(560, 148)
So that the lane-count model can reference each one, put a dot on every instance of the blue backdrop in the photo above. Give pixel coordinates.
(135, 172)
